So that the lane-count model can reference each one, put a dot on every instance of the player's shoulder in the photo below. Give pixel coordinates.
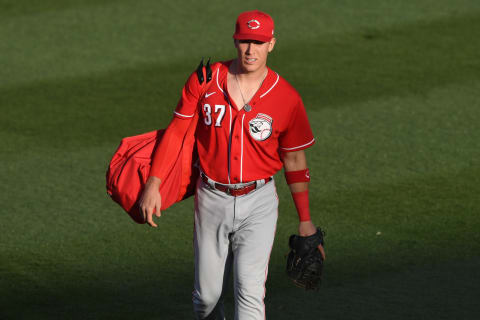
(283, 88)
(284, 84)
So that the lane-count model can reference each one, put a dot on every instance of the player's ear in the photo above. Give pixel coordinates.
(235, 43)
(271, 44)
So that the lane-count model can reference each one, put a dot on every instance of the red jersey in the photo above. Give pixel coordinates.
(236, 146)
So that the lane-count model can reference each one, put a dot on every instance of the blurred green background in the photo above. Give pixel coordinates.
(392, 90)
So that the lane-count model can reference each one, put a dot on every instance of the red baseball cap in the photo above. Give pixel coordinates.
(254, 25)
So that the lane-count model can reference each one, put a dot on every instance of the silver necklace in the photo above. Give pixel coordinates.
(246, 106)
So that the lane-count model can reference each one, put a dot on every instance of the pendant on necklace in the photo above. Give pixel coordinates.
(247, 107)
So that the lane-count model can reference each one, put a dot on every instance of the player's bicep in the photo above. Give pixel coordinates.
(294, 160)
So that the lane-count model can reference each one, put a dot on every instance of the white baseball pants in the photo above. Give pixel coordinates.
(233, 233)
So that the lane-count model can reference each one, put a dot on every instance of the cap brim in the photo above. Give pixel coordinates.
(249, 36)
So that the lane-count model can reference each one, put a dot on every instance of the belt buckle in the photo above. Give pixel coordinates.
(230, 191)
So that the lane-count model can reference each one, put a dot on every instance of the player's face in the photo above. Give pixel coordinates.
(252, 54)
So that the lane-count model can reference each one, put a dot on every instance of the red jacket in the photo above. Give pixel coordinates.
(130, 166)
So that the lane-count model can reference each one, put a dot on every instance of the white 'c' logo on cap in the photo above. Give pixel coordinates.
(253, 24)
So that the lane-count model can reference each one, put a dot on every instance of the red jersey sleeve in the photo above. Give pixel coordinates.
(187, 105)
(170, 146)
(298, 135)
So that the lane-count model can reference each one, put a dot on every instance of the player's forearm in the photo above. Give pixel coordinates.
(297, 176)
(298, 187)
(167, 151)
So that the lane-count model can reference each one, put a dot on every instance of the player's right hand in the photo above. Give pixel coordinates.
(151, 201)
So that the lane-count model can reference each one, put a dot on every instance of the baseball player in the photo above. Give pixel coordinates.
(251, 123)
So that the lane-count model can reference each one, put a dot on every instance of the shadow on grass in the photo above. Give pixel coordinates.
(446, 290)
(437, 291)
(404, 250)
(423, 265)
(103, 296)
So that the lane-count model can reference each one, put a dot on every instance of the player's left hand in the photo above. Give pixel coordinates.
(307, 228)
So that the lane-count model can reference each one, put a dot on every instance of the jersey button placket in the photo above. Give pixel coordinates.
(235, 151)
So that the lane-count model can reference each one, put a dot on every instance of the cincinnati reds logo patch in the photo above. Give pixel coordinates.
(253, 24)
(260, 127)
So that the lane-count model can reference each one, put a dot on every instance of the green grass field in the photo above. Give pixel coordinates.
(392, 89)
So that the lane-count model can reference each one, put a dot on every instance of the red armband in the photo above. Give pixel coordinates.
(297, 176)
(302, 204)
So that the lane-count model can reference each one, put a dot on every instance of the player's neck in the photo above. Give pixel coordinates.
(244, 75)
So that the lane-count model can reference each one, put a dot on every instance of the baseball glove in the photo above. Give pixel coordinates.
(304, 261)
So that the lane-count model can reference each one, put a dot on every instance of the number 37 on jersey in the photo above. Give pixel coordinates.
(218, 109)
